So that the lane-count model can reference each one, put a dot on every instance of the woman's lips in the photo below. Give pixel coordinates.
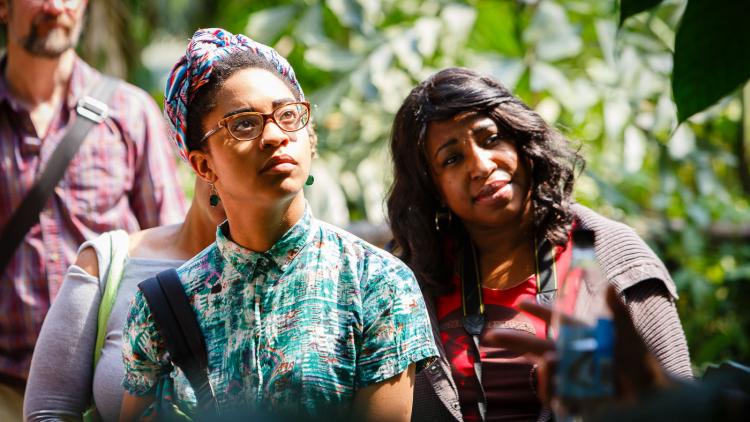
(279, 164)
(494, 192)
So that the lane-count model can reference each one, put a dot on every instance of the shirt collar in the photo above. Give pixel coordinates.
(281, 253)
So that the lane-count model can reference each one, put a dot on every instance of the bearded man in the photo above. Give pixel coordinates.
(122, 177)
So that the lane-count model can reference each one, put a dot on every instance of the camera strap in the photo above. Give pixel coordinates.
(473, 304)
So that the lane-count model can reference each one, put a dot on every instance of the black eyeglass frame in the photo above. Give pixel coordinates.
(265, 116)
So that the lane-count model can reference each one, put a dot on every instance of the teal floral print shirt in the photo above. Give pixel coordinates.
(297, 329)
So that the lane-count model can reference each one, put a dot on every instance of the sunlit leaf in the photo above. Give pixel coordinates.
(427, 31)
(330, 57)
(309, 29)
(606, 33)
(459, 20)
(507, 70)
(551, 34)
(682, 142)
(349, 12)
(266, 25)
(634, 149)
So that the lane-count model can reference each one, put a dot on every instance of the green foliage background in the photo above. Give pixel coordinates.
(605, 85)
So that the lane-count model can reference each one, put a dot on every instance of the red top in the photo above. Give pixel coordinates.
(508, 378)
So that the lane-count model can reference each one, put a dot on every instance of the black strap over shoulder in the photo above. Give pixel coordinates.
(92, 109)
(473, 310)
(179, 327)
(546, 291)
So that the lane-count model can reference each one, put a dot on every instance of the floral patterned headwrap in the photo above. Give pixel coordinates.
(193, 70)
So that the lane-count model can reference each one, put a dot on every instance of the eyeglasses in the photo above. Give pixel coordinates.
(246, 126)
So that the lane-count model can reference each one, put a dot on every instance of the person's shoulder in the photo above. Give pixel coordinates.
(623, 255)
(374, 260)
(155, 242)
(126, 94)
(605, 227)
(130, 95)
(350, 241)
(94, 255)
(588, 217)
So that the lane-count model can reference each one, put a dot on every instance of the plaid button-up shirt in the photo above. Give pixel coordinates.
(123, 177)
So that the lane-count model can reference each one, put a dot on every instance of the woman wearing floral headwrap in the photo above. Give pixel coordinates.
(299, 318)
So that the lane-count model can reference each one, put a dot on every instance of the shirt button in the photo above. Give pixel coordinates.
(54, 257)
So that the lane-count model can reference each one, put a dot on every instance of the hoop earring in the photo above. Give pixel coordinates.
(213, 197)
(443, 214)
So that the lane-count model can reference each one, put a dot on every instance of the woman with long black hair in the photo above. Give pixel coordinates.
(481, 210)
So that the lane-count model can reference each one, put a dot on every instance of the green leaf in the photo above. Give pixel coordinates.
(551, 34)
(629, 8)
(711, 56)
(349, 12)
(266, 25)
(496, 29)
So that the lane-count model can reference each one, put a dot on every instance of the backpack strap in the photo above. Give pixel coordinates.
(92, 109)
(177, 323)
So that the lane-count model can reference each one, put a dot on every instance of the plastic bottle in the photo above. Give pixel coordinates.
(585, 343)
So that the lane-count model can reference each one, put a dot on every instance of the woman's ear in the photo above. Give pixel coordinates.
(202, 165)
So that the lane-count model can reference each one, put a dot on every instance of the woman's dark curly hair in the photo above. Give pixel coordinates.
(414, 198)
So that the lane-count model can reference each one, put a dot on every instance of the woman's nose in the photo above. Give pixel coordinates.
(481, 163)
(273, 135)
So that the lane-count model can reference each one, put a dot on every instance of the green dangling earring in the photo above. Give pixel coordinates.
(310, 180)
(213, 198)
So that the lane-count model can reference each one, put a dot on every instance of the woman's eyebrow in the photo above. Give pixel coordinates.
(282, 101)
(450, 142)
(239, 110)
(274, 104)
(483, 127)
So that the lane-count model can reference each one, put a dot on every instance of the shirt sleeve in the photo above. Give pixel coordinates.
(655, 318)
(60, 379)
(396, 328)
(157, 197)
(143, 350)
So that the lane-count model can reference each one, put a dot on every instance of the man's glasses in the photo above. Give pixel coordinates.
(246, 126)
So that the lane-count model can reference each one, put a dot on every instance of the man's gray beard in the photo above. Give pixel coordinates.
(52, 45)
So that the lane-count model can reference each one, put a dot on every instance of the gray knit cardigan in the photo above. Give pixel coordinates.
(637, 274)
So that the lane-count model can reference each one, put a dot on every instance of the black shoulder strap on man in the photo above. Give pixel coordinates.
(92, 109)
(179, 327)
